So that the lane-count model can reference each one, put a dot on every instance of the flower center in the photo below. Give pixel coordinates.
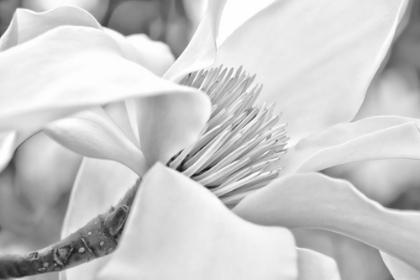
(237, 151)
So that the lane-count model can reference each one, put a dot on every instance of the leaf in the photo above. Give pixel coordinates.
(384, 137)
(315, 59)
(317, 201)
(177, 229)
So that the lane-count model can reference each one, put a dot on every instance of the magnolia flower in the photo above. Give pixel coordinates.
(316, 71)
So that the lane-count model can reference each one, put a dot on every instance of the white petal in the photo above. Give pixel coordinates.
(94, 133)
(177, 229)
(201, 51)
(316, 266)
(315, 58)
(400, 270)
(7, 148)
(317, 201)
(384, 137)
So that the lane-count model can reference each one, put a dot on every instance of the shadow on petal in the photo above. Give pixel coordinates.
(179, 230)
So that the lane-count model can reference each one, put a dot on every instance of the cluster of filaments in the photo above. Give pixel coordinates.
(238, 149)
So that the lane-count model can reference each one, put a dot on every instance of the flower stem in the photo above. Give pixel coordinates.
(99, 237)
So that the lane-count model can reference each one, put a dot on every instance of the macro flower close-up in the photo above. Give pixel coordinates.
(213, 159)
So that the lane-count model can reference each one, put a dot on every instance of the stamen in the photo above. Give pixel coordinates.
(238, 151)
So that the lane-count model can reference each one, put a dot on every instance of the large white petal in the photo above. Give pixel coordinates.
(177, 229)
(315, 58)
(72, 68)
(317, 201)
(99, 185)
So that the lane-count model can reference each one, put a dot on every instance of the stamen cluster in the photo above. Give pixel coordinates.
(240, 145)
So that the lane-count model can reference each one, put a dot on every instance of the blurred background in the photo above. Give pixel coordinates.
(35, 187)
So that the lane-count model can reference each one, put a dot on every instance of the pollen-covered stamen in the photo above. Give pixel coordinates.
(240, 146)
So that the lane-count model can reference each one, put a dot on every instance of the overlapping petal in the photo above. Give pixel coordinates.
(120, 114)
(7, 147)
(179, 230)
(201, 50)
(99, 185)
(94, 133)
(400, 270)
(317, 201)
(385, 137)
(315, 266)
(155, 56)
(69, 76)
(235, 13)
(315, 59)
(27, 24)
(161, 124)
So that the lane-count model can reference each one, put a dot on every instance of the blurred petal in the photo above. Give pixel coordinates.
(201, 51)
(316, 266)
(161, 125)
(317, 201)
(27, 24)
(39, 158)
(94, 133)
(98, 186)
(355, 259)
(400, 270)
(72, 68)
(177, 229)
(7, 148)
(153, 55)
(310, 55)
(368, 139)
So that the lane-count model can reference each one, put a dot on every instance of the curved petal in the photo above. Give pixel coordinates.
(72, 68)
(317, 201)
(155, 56)
(119, 113)
(161, 125)
(315, 59)
(201, 51)
(99, 184)
(384, 137)
(94, 133)
(235, 13)
(355, 259)
(7, 148)
(316, 266)
(27, 24)
(400, 270)
(177, 229)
